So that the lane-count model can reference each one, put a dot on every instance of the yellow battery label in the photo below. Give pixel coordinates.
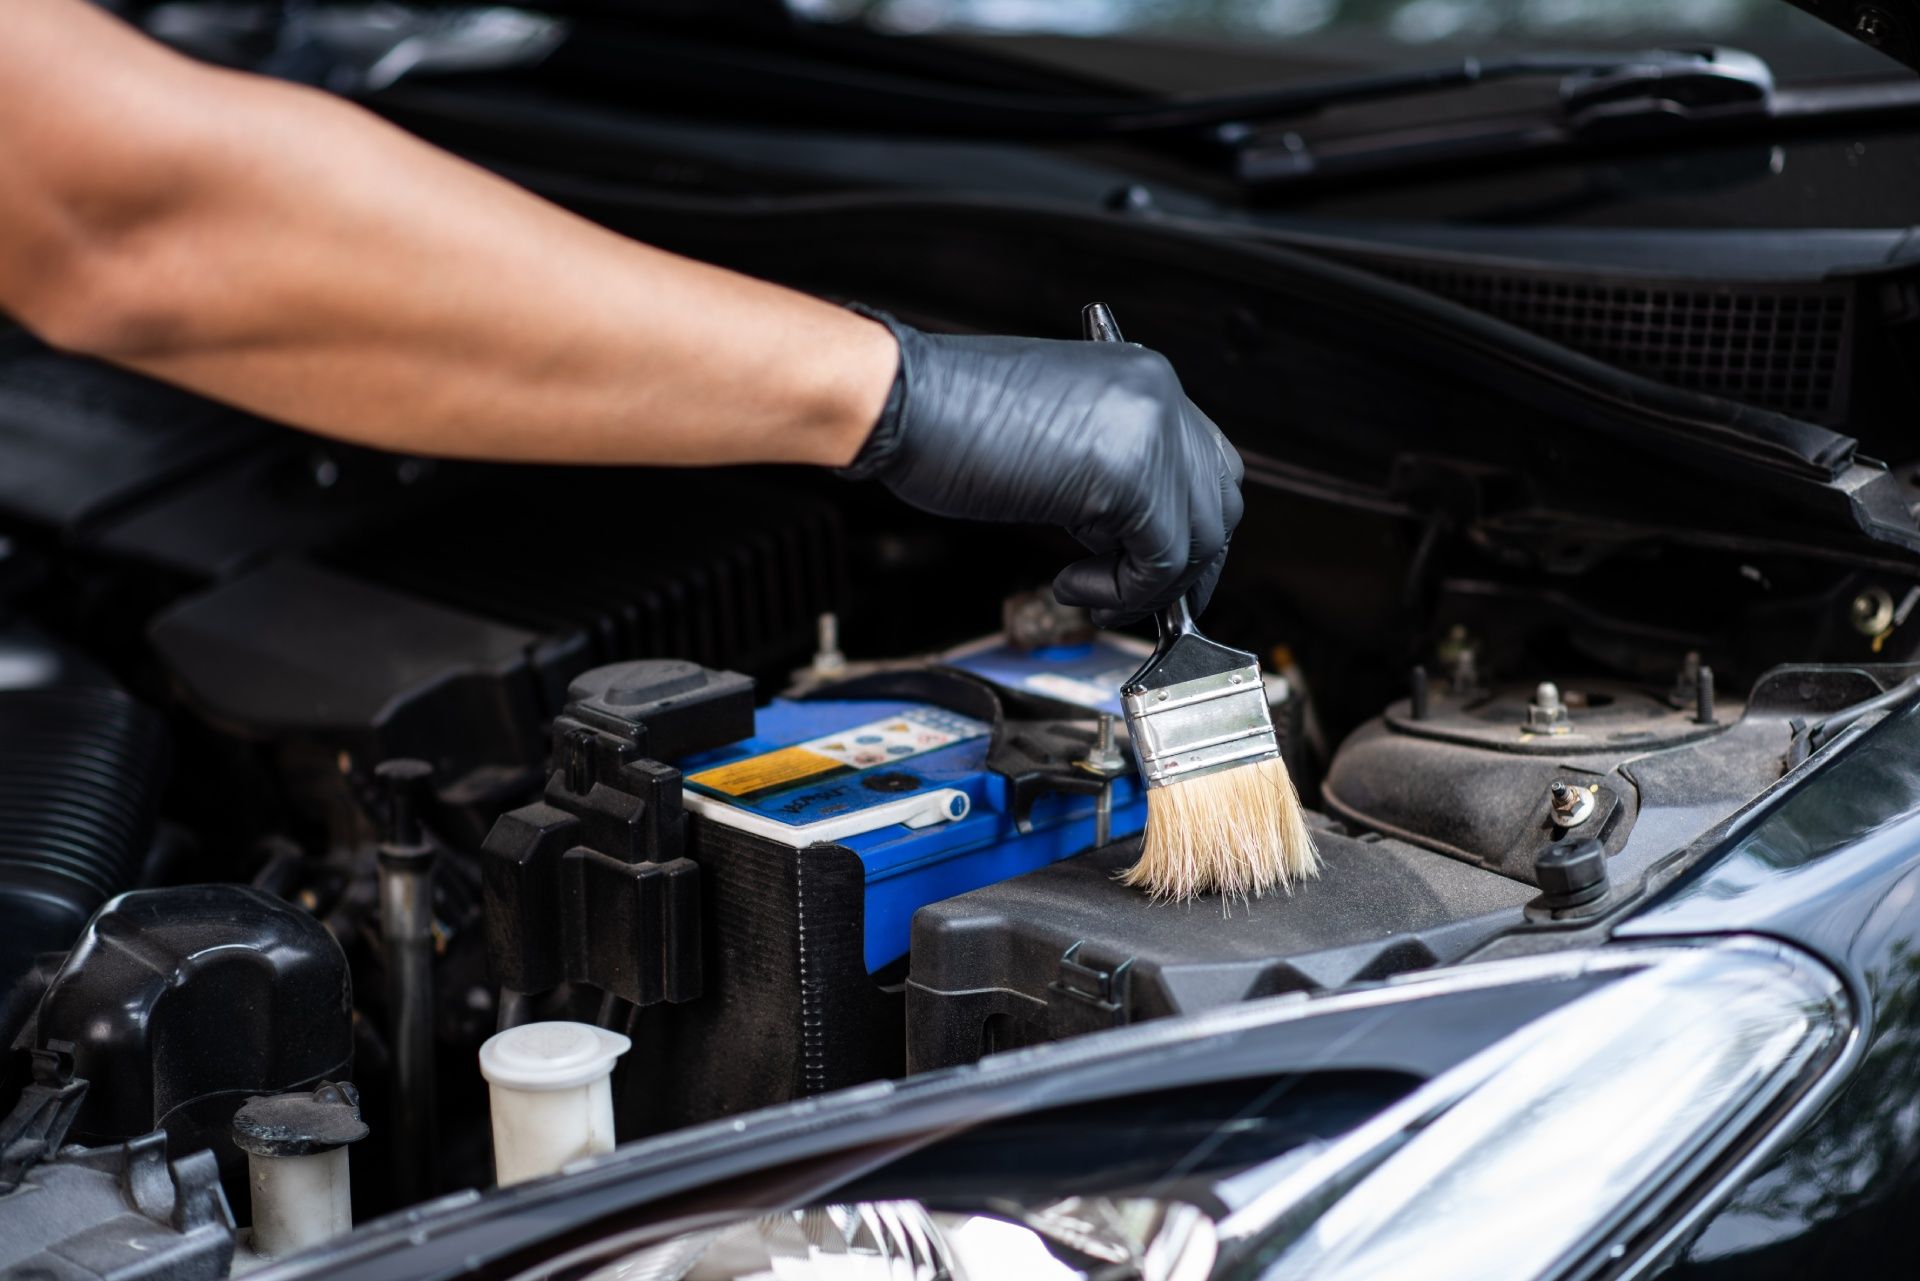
(908, 733)
(766, 772)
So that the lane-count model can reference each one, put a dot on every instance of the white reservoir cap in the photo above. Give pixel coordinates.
(550, 1056)
(549, 1095)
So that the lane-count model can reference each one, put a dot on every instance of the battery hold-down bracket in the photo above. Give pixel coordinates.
(590, 884)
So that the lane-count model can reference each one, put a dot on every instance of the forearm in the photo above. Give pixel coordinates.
(298, 257)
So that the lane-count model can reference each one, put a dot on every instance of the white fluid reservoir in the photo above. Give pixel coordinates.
(551, 1099)
(297, 1172)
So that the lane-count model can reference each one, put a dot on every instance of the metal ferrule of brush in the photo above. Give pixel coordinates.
(1196, 706)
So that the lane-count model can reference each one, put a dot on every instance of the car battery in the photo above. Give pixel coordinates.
(902, 786)
(817, 839)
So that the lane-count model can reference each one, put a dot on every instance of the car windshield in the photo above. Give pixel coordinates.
(1249, 38)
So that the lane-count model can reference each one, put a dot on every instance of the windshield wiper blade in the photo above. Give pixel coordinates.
(1646, 95)
(864, 84)
(1256, 106)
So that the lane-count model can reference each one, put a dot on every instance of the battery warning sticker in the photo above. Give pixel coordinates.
(909, 733)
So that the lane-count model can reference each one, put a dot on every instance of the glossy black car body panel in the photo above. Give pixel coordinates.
(1833, 865)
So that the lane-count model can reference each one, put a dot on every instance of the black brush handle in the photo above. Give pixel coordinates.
(1097, 324)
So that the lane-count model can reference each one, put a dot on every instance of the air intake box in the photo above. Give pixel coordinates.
(1068, 949)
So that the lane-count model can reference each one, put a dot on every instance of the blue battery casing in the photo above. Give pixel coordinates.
(1088, 674)
(849, 768)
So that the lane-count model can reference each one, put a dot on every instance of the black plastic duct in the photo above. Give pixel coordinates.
(81, 768)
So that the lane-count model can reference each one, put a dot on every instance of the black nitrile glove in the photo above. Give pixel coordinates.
(1097, 438)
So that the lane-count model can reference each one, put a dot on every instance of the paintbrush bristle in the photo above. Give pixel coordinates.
(1236, 832)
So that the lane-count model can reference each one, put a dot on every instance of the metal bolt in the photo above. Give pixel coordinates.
(1571, 805)
(1104, 759)
(827, 658)
(1686, 678)
(1872, 611)
(1103, 808)
(1417, 695)
(1547, 714)
(1703, 696)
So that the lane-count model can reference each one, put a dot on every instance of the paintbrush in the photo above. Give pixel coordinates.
(1222, 813)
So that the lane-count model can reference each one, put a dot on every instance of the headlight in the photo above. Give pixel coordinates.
(1601, 1118)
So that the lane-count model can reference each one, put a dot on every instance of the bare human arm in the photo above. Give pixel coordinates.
(284, 251)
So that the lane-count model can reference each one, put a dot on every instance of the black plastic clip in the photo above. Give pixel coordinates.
(1043, 758)
(39, 1122)
(1087, 998)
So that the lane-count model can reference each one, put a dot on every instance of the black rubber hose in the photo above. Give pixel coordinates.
(1827, 730)
(81, 769)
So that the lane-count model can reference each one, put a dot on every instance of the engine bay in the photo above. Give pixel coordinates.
(320, 767)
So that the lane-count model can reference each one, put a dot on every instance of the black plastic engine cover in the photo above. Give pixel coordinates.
(296, 649)
(181, 1003)
(1068, 949)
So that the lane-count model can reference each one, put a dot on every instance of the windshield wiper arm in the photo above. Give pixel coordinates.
(821, 81)
(1649, 94)
(1255, 106)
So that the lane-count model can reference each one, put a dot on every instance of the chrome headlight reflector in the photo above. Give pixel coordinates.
(1608, 1117)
